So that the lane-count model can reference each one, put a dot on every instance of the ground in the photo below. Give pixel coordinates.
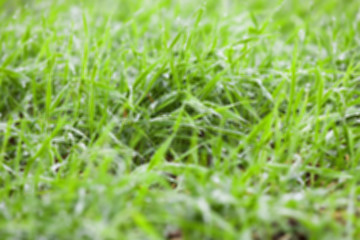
(165, 119)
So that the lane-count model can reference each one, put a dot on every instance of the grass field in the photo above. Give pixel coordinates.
(176, 120)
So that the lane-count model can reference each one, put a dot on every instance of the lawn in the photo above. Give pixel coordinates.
(179, 119)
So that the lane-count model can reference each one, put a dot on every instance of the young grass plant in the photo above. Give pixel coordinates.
(165, 119)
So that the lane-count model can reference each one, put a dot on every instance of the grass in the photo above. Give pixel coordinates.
(140, 119)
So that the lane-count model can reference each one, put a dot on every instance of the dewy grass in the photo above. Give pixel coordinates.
(141, 119)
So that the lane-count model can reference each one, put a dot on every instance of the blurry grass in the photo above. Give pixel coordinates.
(179, 119)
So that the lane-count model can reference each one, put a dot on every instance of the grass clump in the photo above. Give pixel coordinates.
(179, 119)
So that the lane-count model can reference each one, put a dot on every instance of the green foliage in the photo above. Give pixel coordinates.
(164, 119)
